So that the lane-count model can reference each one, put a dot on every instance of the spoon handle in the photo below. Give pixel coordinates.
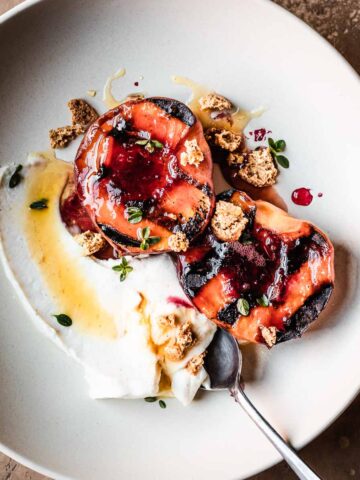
(295, 463)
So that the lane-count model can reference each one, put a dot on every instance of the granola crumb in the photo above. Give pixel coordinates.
(228, 222)
(259, 169)
(81, 112)
(224, 139)
(91, 93)
(184, 339)
(167, 321)
(269, 335)
(235, 158)
(214, 101)
(62, 136)
(192, 155)
(90, 242)
(195, 364)
(178, 242)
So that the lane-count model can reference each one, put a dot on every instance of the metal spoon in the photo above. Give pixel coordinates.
(223, 363)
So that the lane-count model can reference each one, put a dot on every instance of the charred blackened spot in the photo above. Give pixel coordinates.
(120, 129)
(117, 237)
(229, 314)
(175, 108)
(103, 172)
(304, 248)
(300, 321)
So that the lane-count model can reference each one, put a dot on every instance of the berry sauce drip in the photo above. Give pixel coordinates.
(136, 174)
(179, 302)
(260, 134)
(302, 196)
(74, 214)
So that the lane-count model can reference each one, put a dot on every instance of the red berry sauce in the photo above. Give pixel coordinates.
(302, 196)
(179, 302)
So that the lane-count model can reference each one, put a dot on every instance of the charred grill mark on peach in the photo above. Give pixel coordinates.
(175, 108)
(117, 237)
(295, 326)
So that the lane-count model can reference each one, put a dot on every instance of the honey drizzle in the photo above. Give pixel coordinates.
(60, 267)
(236, 122)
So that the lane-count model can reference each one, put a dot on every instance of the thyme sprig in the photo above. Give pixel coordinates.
(150, 145)
(276, 148)
(144, 236)
(123, 268)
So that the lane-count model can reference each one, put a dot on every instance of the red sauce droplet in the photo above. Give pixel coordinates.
(302, 196)
(179, 302)
(260, 134)
(136, 84)
(320, 195)
(73, 213)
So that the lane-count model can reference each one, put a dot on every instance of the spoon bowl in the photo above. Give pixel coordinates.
(223, 361)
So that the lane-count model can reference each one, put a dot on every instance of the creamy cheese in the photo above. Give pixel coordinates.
(115, 333)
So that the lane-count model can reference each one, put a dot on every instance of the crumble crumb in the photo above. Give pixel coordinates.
(82, 113)
(91, 93)
(259, 169)
(224, 139)
(269, 335)
(167, 321)
(183, 340)
(195, 364)
(90, 242)
(62, 136)
(214, 101)
(228, 222)
(193, 155)
(178, 242)
(235, 158)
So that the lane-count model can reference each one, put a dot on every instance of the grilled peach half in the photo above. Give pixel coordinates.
(266, 286)
(133, 178)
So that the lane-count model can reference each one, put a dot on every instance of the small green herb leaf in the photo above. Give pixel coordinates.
(144, 235)
(157, 144)
(153, 240)
(150, 399)
(123, 268)
(263, 301)
(39, 204)
(150, 145)
(280, 145)
(162, 404)
(272, 143)
(282, 161)
(63, 319)
(133, 214)
(15, 178)
(275, 148)
(243, 307)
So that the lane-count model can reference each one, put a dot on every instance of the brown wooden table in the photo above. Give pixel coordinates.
(335, 454)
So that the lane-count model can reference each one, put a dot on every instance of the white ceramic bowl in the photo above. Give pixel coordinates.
(257, 54)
